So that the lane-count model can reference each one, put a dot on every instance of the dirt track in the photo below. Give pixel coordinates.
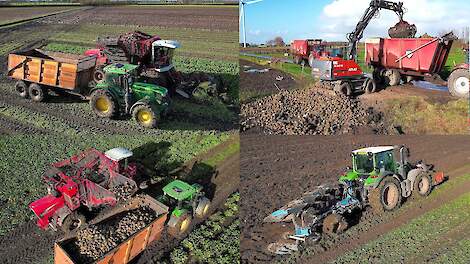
(282, 168)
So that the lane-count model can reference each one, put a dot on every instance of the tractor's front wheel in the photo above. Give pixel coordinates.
(102, 104)
(179, 226)
(387, 196)
(202, 208)
(145, 115)
(73, 222)
(334, 224)
(98, 74)
(422, 185)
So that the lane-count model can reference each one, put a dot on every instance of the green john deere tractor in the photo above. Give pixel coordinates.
(187, 201)
(121, 93)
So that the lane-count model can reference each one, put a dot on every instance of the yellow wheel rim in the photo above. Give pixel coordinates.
(102, 104)
(184, 225)
(206, 209)
(144, 116)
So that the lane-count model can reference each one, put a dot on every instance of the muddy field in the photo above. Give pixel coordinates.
(282, 168)
(168, 16)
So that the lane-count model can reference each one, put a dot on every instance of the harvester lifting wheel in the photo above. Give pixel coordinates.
(458, 83)
(102, 104)
(392, 77)
(36, 92)
(73, 222)
(387, 196)
(179, 226)
(334, 224)
(145, 115)
(22, 89)
(202, 208)
(423, 185)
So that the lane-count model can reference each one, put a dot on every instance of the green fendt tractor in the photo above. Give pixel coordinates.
(380, 177)
(187, 201)
(121, 93)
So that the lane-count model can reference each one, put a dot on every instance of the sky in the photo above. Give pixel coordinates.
(331, 20)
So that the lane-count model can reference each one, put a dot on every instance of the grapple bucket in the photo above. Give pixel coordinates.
(402, 29)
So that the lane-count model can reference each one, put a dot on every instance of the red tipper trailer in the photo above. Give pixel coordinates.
(393, 58)
(301, 49)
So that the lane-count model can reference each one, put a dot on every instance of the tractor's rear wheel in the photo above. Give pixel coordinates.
(73, 222)
(387, 196)
(458, 83)
(22, 89)
(202, 208)
(392, 77)
(102, 104)
(334, 224)
(36, 92)
(179, 226)
(145, 115)
(422, 185)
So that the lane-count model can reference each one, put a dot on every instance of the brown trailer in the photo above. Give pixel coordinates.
(39, 71)
(128, 249)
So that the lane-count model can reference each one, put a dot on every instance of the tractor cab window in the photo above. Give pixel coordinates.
(385, 161)
(163, 56)
(364, 163)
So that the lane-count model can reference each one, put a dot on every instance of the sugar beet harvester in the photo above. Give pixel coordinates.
(380, 177)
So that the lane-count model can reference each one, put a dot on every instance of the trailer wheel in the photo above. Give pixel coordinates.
(344, 88)
(145, 115)
(370, 86)
(73, 222)
(102, 104)
(458, 83)
(387, 196)
(179, 226)
(36, 92)
(202, 208)
(422, 185)
(334, 224)
(392, 77)
(22, 89)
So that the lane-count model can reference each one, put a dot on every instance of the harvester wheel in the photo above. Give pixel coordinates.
(392, 77)
(22, 89)
(458, 83)
(145, 115)
(423, 185)
(102, 104)
(387, 196)
(370, 86)
(344, 88)
(179, 226)
(202, 208)
(73, 222)
(334, 224)
(36, 92)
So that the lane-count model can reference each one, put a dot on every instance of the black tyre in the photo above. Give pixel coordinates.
(422, 185)
(98, 74)
(392, 77)
(458, 83)
(370, 86)
(387, 196)
(22, 89)
(178, 227)
(36, 92)
(73, 222)
(378, 76)
(145, 115)
(334, 224)
(102, 104)
(202, 208)
(344, 88)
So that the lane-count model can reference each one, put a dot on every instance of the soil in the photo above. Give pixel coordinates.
(16, 13)
(282, 168)
(263, 83)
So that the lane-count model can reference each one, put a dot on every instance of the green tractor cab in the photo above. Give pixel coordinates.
(121, 93)
(187, 201)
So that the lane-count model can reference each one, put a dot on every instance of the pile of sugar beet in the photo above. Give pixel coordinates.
(94, 241)
(312, 111)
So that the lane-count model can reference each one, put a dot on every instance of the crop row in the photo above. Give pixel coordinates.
(215, 241)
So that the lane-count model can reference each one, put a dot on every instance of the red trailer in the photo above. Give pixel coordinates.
(301, 50)
(394, 59)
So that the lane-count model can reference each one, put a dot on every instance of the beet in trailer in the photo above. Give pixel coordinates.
(394, 59)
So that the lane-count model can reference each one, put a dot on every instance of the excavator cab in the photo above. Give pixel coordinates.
(162, 54)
